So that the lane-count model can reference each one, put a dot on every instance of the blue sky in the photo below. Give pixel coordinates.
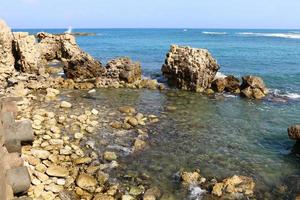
(151, 13)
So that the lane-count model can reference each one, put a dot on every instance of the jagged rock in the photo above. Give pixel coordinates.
(253, 87)
(294, 132)
(76, 63)
(26, 53)
(235, 186)
(124, 69)
(228, 84)
(189, 68)
(190, 178)
(7, 60)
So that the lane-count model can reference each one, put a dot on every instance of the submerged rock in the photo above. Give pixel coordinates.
(253, 87)
(294, 132)
(190, 68)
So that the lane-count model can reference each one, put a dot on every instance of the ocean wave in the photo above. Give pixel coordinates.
(291, 35)
(289, 95)
(220, 75)
(214, 33)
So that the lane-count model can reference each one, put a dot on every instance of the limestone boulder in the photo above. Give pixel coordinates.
(253, 87)
(124, 69)
(26, 53)
(190, 68)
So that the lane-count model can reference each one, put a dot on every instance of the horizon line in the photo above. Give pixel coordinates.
(160, 28)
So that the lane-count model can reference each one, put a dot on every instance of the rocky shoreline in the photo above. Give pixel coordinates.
(62, 162)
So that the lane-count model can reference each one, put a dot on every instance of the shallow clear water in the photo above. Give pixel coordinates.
(221, 136)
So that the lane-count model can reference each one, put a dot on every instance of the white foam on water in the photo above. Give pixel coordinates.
(229, 95)
(196, 192)
(213, 33)
(220, 75)
(290, 95)
(291, 35)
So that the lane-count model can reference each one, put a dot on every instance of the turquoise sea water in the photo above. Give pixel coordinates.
(221, 135)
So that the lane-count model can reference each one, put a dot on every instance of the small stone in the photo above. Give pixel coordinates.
(152, 194)
(127, 109)
(65, 104)
(139, 144)
(102, 177)
(110, 156)
(171, 108)
(42, 154)
(56, 142)
(116, 125)
(85, 181)
(78, 136)
(84, 160)
(190, 177)
(57, 171)
(54, 188)
(95, 112)
(127, 197)
(60, 181)
(135, 191)
(41, 168)
(133, 121)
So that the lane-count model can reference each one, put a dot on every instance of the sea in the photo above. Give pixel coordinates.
(221, 135)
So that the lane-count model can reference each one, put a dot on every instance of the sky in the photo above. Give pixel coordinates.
(275, 14)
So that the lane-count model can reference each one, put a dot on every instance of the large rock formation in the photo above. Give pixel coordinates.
(77, 63)
(7, 61)
(253, 87)
(124, 69)
(189, 68)
(26, 53)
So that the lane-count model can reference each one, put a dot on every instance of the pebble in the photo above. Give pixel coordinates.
(42, 154)
(110, 156)
(85, 181)
(57, 171)
(65, 104)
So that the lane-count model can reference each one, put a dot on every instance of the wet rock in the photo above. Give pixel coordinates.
(189, 68)
(116, 125)
(65, 104)
(253, 87)
(219, 85)
(235, 186)
(139, 145)
(133, 121)
(86, 181)
(57, 171)
(110, 156)
(127, 109)
(52, 93)
(232, 84)
(127, 197)
(294, 132)
(190, 178)
(152, 194)
(102, 177)
(135, 191)
(124, 69)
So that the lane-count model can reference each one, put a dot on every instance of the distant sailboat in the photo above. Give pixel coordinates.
(185, 30)
(69, 30)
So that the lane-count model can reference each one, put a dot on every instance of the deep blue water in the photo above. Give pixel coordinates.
(272, 54)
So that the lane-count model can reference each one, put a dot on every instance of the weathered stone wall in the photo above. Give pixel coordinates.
(189, 68)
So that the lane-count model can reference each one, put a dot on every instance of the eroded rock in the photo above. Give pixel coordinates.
(189, 68)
